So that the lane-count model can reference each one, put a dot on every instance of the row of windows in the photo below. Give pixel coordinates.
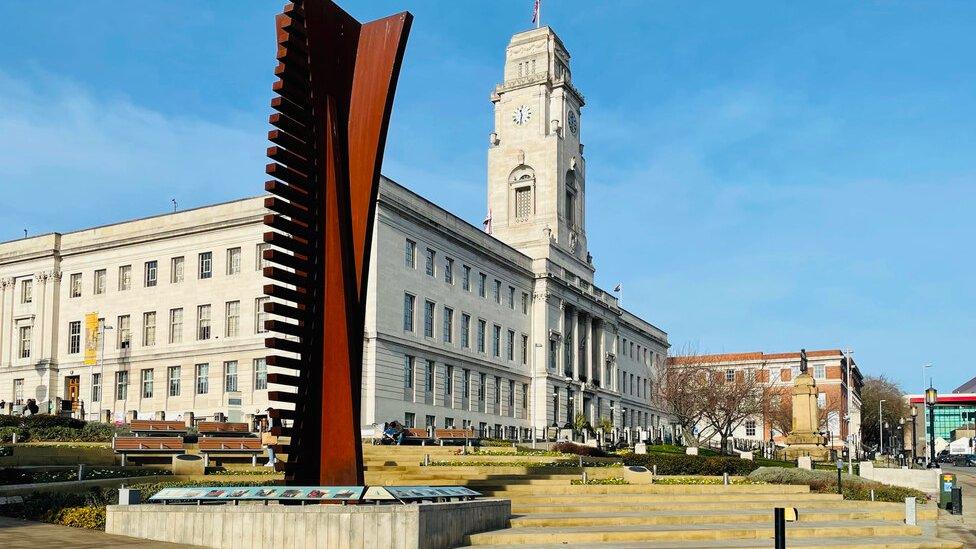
(123, 327)
(819, 372)
(642, 354)
(447, 330)
(411, 378)
(150, 273)
(173, 381)
(431, 267)
(509, 432)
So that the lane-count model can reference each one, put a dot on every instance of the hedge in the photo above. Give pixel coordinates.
(677, 464)
(47, 428)
(578, 449)
(853, 487)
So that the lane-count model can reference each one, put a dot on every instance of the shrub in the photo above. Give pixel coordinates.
(54, 434)
(92, 518)
(7, 433)
(853, 487)
(677, 464)
(97, 432)
(40, 421)
(578, 449)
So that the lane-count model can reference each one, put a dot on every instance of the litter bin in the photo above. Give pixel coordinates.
(956, 501)
(947, 481)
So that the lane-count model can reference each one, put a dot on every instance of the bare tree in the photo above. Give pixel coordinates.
(679, 389)
(728, 403)
(779, 414)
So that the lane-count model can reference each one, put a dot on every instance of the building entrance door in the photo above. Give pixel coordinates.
(72, 388)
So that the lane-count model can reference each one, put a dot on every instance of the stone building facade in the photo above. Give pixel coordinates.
(503, 332)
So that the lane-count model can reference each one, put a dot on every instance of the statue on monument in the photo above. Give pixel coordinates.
(805, 440)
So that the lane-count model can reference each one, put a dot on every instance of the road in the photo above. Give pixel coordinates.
(961, 528)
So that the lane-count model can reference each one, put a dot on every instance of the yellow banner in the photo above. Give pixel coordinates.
(91, 339)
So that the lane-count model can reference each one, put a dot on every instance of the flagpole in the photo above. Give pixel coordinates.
(538, 18)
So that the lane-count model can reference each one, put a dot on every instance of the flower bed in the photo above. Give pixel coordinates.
(613, 481)
(705, 480)
(12, 475)
(517, 463)
(87, 509)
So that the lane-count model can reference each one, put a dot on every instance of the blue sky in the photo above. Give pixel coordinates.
(762, 176)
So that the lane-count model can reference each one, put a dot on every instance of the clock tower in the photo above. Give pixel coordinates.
(536, 171)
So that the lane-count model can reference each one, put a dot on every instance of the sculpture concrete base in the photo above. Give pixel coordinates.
(257, 526)
(816, 452)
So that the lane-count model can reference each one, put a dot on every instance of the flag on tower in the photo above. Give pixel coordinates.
(535, 12)
(617, 288)
(487, 222)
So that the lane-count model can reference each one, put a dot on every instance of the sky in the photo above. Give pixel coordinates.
(762, 176)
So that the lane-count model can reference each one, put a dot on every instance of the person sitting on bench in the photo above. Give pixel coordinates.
(393, 432)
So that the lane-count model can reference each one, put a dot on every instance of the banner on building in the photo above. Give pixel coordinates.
(91, 339)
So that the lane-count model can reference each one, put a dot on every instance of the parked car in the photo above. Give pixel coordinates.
(965, 461)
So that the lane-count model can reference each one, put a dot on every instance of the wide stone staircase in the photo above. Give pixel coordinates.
(549, 511)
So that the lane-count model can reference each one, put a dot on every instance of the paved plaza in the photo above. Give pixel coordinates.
(19, 534)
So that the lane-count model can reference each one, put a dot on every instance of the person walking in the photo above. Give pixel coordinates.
(269, 439)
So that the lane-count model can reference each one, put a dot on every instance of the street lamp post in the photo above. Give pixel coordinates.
(901, 439)
(931, 397)
(880, 427)
(924, 367)
(847, 416)
(914, 435)
(101, 366)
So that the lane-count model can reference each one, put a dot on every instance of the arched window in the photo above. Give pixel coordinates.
(522, 194)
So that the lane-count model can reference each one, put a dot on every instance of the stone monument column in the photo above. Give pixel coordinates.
(805, 439)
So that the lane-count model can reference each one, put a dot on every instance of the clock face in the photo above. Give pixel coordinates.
(573, 123)
(521, 114)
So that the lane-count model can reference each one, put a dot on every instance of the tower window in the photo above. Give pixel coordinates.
(570, 208)
(523, 203)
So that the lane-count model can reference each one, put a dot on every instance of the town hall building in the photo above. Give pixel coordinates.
(498, 328)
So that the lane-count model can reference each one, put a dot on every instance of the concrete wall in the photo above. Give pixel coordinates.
(254, 526)
(926, 480)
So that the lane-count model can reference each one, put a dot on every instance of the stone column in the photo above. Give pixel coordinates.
(598, 352)
(574, 344)
(5, 290)
(589, 348)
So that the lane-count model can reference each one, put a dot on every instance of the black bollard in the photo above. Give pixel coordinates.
(779, 524)
(956, 501)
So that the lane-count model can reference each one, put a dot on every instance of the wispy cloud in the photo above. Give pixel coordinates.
(65, 149)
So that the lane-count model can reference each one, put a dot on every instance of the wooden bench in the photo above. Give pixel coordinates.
(453, 435)
(230, 445)
(157, 427)
(416, 435)
(222, 428)
(147, 445)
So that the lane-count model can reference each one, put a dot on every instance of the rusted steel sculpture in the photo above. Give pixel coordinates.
(336, 80)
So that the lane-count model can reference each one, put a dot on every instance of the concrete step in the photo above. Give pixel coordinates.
(570, 507)
(667, 532)
(888, 542)
(780, 500)
(494, 483)
(714, 490)
(698, 516)
(494, 469)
